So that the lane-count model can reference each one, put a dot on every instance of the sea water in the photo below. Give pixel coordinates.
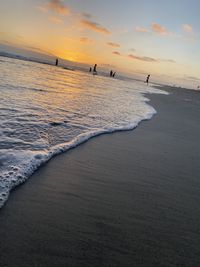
(46, 110)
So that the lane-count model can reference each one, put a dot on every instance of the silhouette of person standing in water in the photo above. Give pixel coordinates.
(90, 69)
(147, 80)
(111, 73)
(56, 61)
(95, 69)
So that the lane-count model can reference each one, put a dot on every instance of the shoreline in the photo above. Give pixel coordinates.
(128, 198)
(39, 161)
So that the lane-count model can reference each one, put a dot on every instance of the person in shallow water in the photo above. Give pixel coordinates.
(95, 69)
(111, 73)
(56, 62)
(147, 79)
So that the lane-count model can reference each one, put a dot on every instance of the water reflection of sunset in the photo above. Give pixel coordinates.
(137, 37)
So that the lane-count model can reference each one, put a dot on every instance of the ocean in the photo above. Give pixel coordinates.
(46, 110)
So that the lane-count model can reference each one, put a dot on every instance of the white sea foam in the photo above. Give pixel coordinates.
(46, 110)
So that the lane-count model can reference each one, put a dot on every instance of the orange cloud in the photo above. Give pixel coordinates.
(150, 59)
(86, 40)
(159, 29)
(187, 28)
(141, 29)
(116, 53)
(147, 59)
(56, 6)
(94, 26)
(40, 50)
(113, 44)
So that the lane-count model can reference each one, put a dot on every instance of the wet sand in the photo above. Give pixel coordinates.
(122, 199)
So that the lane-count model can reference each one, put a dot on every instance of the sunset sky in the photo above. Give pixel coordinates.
(161, 37)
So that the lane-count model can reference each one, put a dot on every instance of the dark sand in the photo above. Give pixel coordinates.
(123, 199)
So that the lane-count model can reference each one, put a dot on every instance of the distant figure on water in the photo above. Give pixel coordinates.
(90, 69)
(112, 74)
(56, 61)
(95, 69)
(147, 80)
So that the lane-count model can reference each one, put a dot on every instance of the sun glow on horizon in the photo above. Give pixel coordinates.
(141, 41)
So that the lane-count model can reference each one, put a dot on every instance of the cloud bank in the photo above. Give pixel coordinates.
(94, 26)
(56, 6)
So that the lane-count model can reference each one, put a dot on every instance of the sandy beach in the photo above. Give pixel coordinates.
(123, 199)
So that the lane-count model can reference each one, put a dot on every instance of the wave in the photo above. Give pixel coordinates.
(35, 126)
(27, 162)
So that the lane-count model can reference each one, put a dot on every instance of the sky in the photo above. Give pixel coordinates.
(157, 37)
